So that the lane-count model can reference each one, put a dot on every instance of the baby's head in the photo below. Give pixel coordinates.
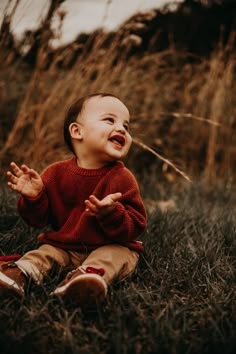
(98, 125)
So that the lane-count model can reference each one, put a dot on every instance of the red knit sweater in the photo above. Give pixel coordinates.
(61, 205)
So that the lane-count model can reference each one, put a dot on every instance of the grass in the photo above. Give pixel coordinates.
(181, 298)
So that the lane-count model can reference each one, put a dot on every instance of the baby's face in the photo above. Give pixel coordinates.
(105, 128)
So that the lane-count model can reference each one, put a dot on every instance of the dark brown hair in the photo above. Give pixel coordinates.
(73, 112)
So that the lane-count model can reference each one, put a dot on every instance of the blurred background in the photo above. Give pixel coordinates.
(172, 63)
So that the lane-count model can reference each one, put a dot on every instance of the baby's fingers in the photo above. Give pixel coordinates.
(12, 177)
(16, 169)
(26, 169)
(90, 206)
(32, 173)
(116, 196)
(13, 186)
(93, 200)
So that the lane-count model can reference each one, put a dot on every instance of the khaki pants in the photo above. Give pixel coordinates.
(118, 261)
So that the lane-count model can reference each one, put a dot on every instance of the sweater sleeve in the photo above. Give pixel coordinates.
(34, 211)
(128, 220)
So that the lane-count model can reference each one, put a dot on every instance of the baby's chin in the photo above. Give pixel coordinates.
(119, 155)
(113, 158)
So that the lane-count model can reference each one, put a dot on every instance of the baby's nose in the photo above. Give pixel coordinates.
(120, 128)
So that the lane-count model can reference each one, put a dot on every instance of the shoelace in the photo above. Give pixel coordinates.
(7, 265)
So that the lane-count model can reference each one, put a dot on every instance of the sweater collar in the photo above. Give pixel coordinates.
(91, 172)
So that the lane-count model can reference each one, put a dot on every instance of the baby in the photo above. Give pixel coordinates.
(91, 201)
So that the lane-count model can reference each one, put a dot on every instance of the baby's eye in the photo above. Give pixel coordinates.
(109, 119)
(126, 126)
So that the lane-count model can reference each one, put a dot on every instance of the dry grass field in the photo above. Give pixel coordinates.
(181, 103)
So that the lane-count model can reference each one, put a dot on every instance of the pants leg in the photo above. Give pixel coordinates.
(118, 261)
(37, 263)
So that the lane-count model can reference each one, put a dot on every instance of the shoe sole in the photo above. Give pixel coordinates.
(9, 287)
(86, 290)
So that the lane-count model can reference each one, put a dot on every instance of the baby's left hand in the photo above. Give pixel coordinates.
(102, 207)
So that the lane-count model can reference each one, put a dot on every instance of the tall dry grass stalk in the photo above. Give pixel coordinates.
(224, 76)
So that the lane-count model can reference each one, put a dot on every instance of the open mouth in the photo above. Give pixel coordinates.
(118, 140)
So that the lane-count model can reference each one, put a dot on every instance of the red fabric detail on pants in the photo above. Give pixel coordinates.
(99, 271)
(13, 257)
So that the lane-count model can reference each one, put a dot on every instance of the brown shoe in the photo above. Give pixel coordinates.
(12, 280)
(83, 286)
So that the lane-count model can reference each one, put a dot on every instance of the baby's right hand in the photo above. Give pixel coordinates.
(25, 180)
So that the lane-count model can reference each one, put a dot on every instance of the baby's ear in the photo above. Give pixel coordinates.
(75, 131)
